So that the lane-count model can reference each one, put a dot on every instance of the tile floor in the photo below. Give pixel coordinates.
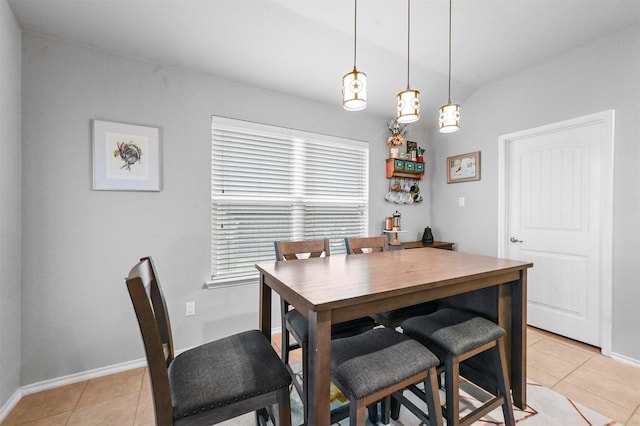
(573, 369)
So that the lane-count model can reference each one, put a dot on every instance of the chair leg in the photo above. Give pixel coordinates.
(395, 408)
(284, 406)
(452, 390)
(285, 345)
(357, 413)
(504, 387)
(372, 409)
(385, 409)
(432, 397)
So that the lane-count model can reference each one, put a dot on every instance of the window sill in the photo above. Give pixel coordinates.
(230, 282)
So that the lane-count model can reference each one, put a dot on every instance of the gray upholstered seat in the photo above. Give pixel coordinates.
(373, 365)
(223, 372)
(456, 335)
(452, 331)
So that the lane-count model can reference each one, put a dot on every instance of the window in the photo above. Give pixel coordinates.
(271, 183)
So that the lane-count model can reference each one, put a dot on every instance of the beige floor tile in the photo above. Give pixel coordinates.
(614, 369)
(45, 404)
(549, 364)
(119, 411)
(634, 420)
(622, 393)
(574, 343)
(571, 354)
(112, 386)
(533, 337)
(541, 377)
(144, 410)
(603, 406)
(55, 420)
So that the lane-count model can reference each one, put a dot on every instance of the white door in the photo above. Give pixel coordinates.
(555, 192)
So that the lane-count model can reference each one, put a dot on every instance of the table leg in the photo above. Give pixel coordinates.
(519, 340)
(264, 315)
(319, 380)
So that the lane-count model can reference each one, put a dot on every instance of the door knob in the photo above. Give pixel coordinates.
(515, 240)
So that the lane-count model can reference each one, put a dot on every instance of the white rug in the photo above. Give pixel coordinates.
(544, 408)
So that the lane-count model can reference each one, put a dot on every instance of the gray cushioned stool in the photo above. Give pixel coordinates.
(371, 366)
(454, 336)
(296, 324)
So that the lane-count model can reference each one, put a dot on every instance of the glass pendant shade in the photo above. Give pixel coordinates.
(408, 106)
(354, 90)
(449, 118)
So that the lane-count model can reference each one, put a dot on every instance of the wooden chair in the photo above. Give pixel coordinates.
(297, 324)
(359, 245)
(456, 335)
(210, 383)
(393, 318)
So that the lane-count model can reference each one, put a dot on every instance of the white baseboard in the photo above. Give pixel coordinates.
(625, 359)
(67, 380)
(10, 404)
(75, 378)
(82, 376)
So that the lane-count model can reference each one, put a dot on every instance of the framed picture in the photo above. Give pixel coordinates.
(126, 157)
(463, 168)
(412, 146)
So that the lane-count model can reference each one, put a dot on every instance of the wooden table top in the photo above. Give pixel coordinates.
(339, 281)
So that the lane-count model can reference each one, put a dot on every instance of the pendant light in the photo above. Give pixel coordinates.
(408, 101)
(449, 113)
(354, 84)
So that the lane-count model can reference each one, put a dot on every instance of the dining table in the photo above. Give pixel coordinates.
(337, 288)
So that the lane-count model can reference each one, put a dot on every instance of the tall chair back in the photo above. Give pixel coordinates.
(358, 245)
(150, 307)
(294, 250)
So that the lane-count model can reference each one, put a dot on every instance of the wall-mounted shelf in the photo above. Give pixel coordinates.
(405, 168)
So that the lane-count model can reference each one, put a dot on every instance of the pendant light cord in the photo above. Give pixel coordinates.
(355, 31)
(449, 96)
(408, 38)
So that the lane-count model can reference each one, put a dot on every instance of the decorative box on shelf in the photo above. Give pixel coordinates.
(405, 168)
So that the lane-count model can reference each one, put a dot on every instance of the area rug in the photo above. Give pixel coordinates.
(544, 408)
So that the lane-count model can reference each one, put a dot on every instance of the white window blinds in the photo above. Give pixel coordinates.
(271, 183)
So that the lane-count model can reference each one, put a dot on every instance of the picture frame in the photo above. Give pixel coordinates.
(463, 168)
(412, 146)
(126, 157)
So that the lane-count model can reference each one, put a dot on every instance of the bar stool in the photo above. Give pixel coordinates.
(296, 324)
(454, 336)
(373, 365)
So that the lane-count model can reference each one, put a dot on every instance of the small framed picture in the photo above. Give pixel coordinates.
(463, 168)
(412, 146)
(126, 157)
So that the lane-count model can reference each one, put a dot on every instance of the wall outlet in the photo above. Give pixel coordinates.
(190, 308)
(460, 201)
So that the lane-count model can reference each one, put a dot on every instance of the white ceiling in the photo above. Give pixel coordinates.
(303, 47)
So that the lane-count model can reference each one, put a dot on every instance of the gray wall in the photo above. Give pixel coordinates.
(10, 210)
(79, 243)
(600, 76)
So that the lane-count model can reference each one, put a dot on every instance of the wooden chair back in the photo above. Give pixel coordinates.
(295, 250)
(359, 245)
(153, 318)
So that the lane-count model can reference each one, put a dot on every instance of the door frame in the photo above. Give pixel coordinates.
(606, 118)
